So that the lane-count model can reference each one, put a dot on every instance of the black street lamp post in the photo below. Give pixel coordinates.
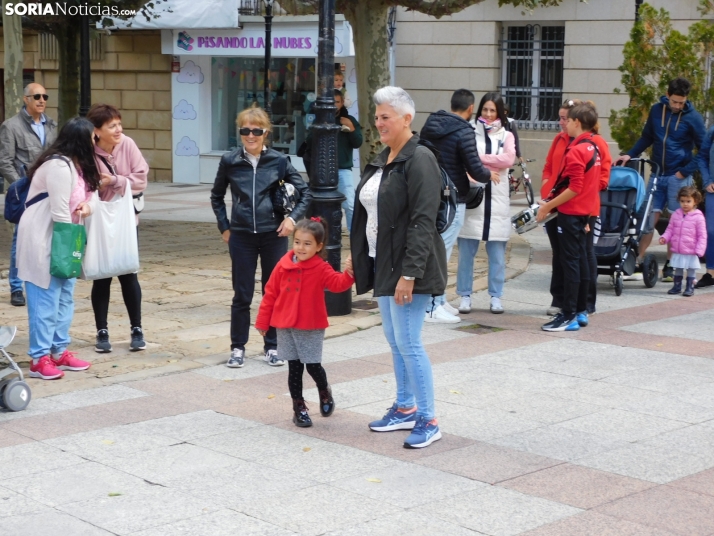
(266, 70)
(326, 200)
(85, 81)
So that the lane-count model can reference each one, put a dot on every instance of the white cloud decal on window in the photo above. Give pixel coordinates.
(184, 110)
(190, 74)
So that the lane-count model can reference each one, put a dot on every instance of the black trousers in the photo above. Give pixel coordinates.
(245, 248)
(592, 266)
(574, 262)
(131, 292)
(556, 278)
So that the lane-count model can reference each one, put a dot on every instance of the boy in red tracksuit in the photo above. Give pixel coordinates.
(581, 169)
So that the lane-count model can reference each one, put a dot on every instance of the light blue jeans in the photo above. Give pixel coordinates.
(468, 247)
(15, 282)
(402, 326)
(449, 237)
(50, 313)
(346, 186)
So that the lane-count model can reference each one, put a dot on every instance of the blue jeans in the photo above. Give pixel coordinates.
(668, 187)
(402, 326)
(449, 237)
(468, 247)
(15, 282)
(50, 313)
(346, 186)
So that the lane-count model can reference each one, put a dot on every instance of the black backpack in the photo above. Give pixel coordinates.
(449, 194)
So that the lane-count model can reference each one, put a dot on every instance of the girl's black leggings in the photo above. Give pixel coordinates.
(295, 370)
(131, 291)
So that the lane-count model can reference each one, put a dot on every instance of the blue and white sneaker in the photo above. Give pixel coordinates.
(582, 318)
(562, 322)
(236, 359)
(394, 420)
(271, 356)
(424, 434)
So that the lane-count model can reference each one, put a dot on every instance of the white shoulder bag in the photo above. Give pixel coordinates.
(112, 244)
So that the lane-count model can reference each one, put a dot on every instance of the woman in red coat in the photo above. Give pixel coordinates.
(294, 304)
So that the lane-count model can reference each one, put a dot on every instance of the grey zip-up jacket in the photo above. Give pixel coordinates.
(20, 145)
(407, 240)
(252, 210)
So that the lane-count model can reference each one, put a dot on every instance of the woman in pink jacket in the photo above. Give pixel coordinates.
(687, 237)
(119, 161)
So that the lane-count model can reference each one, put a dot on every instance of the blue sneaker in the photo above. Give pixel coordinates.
(424, 434)
(582, 318)
(394, 420)
(562, 322)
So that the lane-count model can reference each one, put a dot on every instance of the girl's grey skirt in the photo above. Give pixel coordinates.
(302, 344)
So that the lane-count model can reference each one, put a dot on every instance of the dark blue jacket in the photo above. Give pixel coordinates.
(455, 139)
(705, 157)
(672, 138)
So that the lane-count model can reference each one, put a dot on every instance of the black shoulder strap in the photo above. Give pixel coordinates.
(106, 163)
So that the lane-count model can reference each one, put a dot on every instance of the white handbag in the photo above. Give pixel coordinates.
(112, 244)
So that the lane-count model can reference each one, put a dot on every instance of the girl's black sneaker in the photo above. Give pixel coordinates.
(301, 417)
(137, 339)
(103, 346)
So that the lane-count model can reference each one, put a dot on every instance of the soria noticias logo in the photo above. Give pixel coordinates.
(62, 8)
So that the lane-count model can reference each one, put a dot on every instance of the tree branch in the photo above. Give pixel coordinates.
(439, 8)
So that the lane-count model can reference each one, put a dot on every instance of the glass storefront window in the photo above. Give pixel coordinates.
(238, 82)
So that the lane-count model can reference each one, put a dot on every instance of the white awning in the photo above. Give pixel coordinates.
(172, 14)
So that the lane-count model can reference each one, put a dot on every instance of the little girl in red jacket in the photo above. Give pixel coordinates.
(294, 303)
(687, 237)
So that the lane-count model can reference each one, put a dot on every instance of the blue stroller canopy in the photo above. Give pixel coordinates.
(625, 178)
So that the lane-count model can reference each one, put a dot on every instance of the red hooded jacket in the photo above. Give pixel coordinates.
(295, 293)
(586, 185)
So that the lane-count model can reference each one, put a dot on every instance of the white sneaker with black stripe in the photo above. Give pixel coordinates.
(271, 356)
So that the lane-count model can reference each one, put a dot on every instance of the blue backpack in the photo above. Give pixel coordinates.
(16, 197)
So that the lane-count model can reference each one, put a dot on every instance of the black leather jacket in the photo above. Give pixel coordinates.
(252, 207)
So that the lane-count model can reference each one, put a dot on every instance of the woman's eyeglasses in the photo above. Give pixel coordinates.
(39, 96)
(254, 131)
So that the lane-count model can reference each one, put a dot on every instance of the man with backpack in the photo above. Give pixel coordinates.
(454, 138)
(673, 129)
(23, 138)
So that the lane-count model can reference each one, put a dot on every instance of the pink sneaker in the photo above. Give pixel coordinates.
(67, 361)
(45, 369)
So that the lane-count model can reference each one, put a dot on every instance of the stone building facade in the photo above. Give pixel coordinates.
(539, 59)
(129, 72)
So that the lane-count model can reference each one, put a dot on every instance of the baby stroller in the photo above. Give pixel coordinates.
(618, 241)
(15, 394)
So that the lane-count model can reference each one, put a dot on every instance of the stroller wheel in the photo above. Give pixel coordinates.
(16, 395)
(650, 270)
(3, 384)
(618, 283)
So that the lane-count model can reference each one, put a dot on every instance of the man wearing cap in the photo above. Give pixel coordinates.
(22, 139)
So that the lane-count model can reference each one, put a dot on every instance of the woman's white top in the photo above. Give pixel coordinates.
(491, 220)
(369, 196)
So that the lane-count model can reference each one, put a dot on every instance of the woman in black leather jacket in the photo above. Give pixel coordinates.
(254, 229)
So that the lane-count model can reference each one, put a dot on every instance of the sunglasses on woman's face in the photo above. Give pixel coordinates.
(39, 96)
(254, 131)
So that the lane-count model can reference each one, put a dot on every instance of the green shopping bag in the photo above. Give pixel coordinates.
(69, 241)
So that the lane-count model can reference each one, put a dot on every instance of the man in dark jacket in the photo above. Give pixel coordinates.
(673, 129)
(454, 137)
(348, 139)
(23, 138)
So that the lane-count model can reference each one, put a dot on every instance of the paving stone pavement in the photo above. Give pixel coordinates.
(605, 431)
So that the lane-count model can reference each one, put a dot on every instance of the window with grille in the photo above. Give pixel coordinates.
(532, 74)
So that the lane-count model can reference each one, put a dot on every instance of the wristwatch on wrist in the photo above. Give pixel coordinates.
(408, 278)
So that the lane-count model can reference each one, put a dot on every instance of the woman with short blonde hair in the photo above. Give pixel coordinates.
(253, 229)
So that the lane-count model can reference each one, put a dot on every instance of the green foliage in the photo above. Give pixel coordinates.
(654, 55)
